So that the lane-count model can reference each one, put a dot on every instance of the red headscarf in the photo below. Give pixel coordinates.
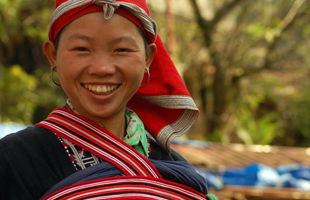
(164, 105)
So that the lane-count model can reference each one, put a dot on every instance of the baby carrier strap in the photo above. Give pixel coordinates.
(98, 141)
(176, 171)
(141, 180)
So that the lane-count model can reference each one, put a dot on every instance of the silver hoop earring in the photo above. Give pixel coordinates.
(53, 77)
(148, 78)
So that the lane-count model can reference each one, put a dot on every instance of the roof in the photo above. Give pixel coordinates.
(221, 156)
(215, 156)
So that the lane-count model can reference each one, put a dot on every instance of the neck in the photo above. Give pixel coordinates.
(116, 127)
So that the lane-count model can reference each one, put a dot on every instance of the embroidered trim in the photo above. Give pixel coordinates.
(92, 137)
(80, 157)
(172, 101)
(182, 124)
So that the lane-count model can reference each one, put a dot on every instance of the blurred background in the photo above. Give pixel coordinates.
(245, 62)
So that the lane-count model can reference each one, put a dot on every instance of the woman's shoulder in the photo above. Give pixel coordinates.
(32, 143)
(28, 136)
(31, 161)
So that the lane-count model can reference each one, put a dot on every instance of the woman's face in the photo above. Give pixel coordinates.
(100, 64)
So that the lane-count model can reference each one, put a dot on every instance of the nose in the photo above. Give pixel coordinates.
(101, 66)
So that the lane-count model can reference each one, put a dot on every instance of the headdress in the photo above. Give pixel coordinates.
(165, 106)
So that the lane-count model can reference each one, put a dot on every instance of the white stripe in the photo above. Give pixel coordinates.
(105, 135)
(119, 196)
(157, 182)
(91, 147)
(123, 188)
(102, 143)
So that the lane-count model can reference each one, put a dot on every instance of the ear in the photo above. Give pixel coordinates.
(151, 55)
(50, 52)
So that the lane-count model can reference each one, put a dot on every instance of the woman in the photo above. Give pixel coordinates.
(126, 103)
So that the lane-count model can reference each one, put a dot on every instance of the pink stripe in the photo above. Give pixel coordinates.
(108, 136)
(74, 138)
(76, 125)
(130, 196)
(117, 180)
(111, 147)
(115, 160)
(82, 142)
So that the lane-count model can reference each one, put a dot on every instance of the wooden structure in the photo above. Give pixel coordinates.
(213, 156)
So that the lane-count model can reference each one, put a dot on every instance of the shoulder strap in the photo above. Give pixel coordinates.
(127, 187)
(98, 141)
(143, 181)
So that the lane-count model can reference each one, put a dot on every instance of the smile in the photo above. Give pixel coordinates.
(101, 89)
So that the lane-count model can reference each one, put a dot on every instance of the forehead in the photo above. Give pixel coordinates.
(94, 24)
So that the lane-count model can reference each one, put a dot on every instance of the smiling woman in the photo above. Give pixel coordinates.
(101, 60)
(126, 102)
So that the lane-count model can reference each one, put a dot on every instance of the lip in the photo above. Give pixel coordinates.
(101, 90)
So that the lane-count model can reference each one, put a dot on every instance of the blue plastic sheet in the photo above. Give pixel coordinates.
(259, 175)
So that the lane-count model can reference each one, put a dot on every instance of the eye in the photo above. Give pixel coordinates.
(122, 50)
(81, 49)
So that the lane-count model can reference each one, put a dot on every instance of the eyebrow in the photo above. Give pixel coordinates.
(113, 41)
(123, 38)
(79, 36)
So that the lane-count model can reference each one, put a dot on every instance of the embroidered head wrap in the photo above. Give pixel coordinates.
(164, 105)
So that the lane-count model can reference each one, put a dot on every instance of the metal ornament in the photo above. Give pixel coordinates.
(148, 78)
(53, 77)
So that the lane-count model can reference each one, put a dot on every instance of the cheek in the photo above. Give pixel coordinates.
(68, 67)
(134, 65)
(136, 72)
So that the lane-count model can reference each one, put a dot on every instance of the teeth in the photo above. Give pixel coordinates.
(101, 89)
(104, 89)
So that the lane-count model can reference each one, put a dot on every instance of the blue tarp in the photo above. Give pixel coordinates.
(255, 174)
(259, 175)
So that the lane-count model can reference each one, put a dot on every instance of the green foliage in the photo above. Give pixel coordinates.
(255, 131)
(27, 99)
(23, 28)
(306, 30)
(258, 109)
(301, 112)
(51, 96)
(17, 95)
(256, 31)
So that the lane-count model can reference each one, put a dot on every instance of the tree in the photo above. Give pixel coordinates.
(23, 29)
(26, 91)
(242, 45)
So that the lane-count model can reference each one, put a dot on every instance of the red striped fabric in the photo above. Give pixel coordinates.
(99, 141)
(142, 180)
(127, 188)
